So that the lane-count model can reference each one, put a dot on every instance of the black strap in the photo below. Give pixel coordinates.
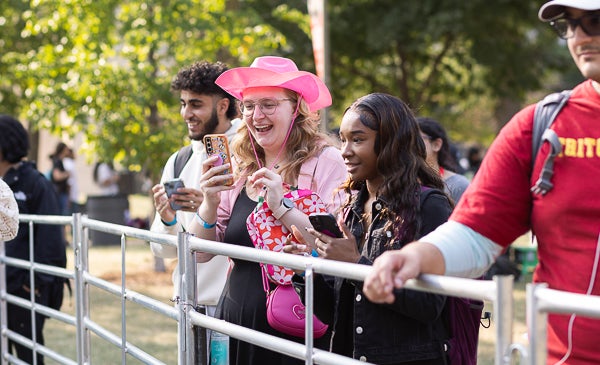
(426, 191)
(544, 115)
(182, 157)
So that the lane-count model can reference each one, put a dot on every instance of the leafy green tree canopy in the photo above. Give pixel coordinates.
(104, 67)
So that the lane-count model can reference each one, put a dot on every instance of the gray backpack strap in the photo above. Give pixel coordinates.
(182, 157)
(544, 115)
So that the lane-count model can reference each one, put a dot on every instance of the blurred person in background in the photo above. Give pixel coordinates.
(60, 176)
(73, 182)
(440, 158)
(107, 178)
(34, 195)
(474, 158)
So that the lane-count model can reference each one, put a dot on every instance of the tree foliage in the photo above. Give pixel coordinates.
(442, 57)
(103, 67)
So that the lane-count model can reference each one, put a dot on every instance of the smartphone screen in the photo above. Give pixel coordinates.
(325, 223)
(171, 187)
(217, 144)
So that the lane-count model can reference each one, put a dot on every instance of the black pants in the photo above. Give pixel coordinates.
(19, 320)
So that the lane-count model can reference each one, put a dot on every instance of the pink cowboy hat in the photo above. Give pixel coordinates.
(278, 72)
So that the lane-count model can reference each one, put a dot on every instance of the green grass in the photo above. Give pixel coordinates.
(145, 329)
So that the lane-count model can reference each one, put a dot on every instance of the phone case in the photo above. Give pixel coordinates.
(217, 144)
(325, 223)
(171, 187)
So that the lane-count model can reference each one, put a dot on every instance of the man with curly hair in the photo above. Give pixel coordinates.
(206, 109)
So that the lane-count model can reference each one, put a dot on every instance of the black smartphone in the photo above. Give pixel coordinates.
(216, 144)
(171, 187)
(325, 223)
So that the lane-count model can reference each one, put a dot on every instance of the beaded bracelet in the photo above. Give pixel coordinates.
(205, 224)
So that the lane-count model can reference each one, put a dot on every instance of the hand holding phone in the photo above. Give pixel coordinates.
(171, 187)
(325, 223)
(217, 144)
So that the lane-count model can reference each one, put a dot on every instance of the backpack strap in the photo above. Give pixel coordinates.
(544, 115)
(425, 192)
(182, 157)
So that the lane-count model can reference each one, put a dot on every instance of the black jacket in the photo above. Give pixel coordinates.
(34, 195)
(410, 329)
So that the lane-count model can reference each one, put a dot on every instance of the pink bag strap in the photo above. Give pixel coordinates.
(263, 271)
(265, 280)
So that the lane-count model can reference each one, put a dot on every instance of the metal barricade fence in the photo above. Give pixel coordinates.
(540, 302)
(498, 292)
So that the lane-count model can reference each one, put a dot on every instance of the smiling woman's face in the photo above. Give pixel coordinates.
(269, 131)
(358, 147)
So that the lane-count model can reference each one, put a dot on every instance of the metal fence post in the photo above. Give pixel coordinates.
(503, 312)
(309, 311)
(537, 322)
(187, 299)
(123, 300)
(82, 307)
(3, 319)
(32, 284)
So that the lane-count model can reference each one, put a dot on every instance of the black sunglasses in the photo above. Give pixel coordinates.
(565, 27)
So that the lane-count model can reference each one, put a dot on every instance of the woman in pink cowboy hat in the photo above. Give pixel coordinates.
(279, 147)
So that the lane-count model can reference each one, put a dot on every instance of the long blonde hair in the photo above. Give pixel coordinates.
(305, 141)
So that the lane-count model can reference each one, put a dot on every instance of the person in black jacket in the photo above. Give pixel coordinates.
(34, 195)
(385, 158)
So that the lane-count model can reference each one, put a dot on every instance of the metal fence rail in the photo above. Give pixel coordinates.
(540, 300)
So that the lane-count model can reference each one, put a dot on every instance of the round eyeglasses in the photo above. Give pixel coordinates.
(266, 106)
(565, 27)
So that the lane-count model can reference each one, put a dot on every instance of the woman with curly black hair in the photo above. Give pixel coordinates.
(394, 197)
